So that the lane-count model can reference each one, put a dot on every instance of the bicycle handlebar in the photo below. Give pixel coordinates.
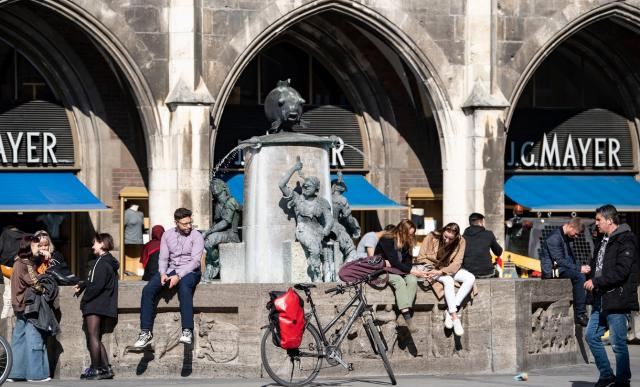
(337, 289)
(341, 288)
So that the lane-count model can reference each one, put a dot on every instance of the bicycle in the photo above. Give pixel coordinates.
(300, 366)
(6, 359)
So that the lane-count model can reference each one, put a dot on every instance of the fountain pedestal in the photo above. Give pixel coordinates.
(267, 221)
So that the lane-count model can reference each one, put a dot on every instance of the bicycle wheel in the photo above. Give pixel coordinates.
(372, 331)
(6, 359)
(293, 367)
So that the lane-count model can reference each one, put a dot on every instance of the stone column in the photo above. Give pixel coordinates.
(486, 168)
(474, 164)
(179, 164)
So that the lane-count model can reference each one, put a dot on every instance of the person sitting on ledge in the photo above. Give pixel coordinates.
(179, 266)
(395, 247)
(441, 257)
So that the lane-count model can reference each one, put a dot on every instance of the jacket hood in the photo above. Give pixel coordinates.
(156, 232)
(114, 263)
(473, 230)
(621, 228)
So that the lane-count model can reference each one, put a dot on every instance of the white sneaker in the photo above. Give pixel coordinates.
(448, 323)
(39, 380)
(144, 338)
(187, 336)
(457, 327)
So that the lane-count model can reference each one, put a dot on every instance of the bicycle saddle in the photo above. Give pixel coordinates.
(304, 286)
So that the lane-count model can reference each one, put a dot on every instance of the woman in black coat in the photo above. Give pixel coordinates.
(99, 303)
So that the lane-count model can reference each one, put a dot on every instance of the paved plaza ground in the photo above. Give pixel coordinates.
(583, 375)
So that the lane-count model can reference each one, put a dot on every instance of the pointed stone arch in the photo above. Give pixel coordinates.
(560, 27)
(401, 31)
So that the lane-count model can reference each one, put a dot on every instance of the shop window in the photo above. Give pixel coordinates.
(425, 211)
(134, 199)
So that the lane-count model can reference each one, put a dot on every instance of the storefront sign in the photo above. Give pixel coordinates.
(36, 134)
(595, 139)
(39, 147)
(600, 152)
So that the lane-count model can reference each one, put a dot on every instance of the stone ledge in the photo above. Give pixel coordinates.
(512, 325)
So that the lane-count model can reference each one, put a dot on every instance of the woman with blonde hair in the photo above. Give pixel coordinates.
(395, 247)
(440, 258)
(47, 251)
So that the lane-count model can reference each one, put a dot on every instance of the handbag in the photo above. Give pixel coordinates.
(360, 268)
(62, 274)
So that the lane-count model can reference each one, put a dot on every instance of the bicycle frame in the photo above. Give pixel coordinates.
(358, 311)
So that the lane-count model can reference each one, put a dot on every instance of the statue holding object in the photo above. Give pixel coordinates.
(314, 221)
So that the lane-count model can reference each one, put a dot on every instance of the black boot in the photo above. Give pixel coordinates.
(582, 320)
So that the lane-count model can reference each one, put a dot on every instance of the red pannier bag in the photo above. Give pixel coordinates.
(286, 318)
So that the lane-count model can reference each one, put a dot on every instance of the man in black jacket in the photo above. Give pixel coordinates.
(556, 248)
(477, 259)
(613, 288)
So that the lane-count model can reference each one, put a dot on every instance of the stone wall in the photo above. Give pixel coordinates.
(511, 325)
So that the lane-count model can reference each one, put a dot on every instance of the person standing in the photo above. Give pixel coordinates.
(613, 291)
(556, 248)
(28, 343)
(367, 245)
(99, 305)
(179, 266)
(9, 244)
(480, 241)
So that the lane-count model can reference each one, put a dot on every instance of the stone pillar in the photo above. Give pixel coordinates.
(474, 164)
(179, 164)
(486, 167)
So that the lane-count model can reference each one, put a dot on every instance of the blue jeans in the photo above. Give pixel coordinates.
(579, 294)
(186, 288)
(599, 322)
(29, 349)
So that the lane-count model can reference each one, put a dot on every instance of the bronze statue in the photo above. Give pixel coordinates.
(226, 216)
(345, 226)
(314, 220)
(283, 107)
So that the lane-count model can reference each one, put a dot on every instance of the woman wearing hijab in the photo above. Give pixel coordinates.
(151, 253)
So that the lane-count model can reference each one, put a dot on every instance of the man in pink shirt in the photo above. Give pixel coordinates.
(179, 266)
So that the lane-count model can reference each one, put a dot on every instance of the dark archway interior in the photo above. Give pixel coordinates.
(44, 56)
(588, 88)
(589, 81)
(340, 65)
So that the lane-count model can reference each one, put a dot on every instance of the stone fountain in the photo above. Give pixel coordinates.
(268, 224)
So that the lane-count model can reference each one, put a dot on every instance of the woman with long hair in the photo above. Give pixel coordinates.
(99, 304)
(30, 361)
(395, 247)
(440, 257)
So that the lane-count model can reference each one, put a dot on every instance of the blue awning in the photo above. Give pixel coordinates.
(46, 192)
(360, 193)
(573, 193)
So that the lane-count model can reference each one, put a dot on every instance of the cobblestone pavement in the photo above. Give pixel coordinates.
(583, 375)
